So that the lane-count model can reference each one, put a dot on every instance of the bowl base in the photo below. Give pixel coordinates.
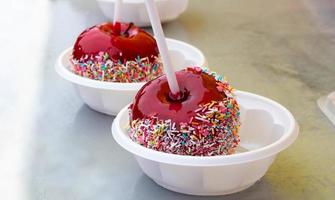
(202, 193)
(103, 111)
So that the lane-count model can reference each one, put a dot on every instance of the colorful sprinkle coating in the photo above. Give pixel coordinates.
(212, 131)
(103, 68)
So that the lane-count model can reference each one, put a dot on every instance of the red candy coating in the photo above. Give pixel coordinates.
(153, 98)
(122, 42)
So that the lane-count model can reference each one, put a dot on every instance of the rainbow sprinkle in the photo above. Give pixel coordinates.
(212, 131)
(103, 68)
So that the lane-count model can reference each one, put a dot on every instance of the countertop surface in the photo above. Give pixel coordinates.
(54, 147)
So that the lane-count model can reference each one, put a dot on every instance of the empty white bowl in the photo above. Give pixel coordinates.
(136, 12)
(111, 97)
(267, 128)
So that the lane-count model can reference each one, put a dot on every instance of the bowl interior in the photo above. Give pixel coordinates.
(264, 122)
(258, 129)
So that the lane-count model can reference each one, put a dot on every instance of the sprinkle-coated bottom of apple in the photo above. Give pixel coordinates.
(103, 68)
(211, 130)
(210, 133)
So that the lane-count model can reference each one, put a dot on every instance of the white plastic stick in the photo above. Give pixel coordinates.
(117, 11)
(162, 46)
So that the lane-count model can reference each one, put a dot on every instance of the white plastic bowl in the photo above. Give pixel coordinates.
(135, 10)
(110, 97)
(267, 128)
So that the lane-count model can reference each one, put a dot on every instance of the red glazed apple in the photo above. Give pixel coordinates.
(154, 98)
(122, 42)
(203, 122)
(116, 53)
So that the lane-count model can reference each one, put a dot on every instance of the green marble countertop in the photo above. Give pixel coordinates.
(52, 146)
